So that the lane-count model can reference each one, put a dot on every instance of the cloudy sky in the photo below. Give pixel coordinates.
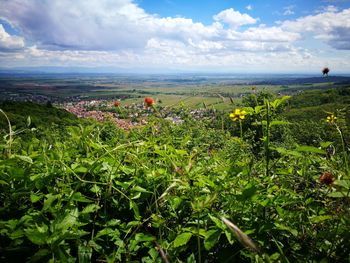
(267, 36)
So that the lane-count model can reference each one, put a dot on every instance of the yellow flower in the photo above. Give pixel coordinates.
(331, 118)
(238, 114)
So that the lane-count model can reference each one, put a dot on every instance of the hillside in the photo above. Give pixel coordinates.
(40, 115)
(253, 184)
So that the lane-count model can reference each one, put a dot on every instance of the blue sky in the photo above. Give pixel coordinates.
(203, 11)
(267, 36)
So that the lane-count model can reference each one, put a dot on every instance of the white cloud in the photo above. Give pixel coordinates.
(234, 18)
(288, 10)
(331, 27)
(264, 34)
(249, 7)
(8, 42)
(120, 33)
(329, 8)
(160, 55)
(96, 24)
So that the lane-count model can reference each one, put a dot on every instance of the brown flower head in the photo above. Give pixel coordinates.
(327, 178)
(116, 103)
(325, 71)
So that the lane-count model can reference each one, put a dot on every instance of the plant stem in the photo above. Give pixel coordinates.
(267, 140)
(345, 155)
(241, 130)
(198, 242)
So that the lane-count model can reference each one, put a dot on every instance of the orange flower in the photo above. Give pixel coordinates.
(149, 101)
(116, 103)
(327, 178)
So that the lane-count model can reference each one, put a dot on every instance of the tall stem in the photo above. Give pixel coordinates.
(199, 241)
(267, 140)
(240, 128)
(345, 155)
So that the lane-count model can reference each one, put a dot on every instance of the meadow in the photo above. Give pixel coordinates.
(256, 176)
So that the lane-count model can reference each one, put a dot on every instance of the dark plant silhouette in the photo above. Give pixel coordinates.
(325, 71)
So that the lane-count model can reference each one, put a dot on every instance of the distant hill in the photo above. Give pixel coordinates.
(302, 81)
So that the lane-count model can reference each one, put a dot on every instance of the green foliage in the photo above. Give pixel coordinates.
(41, 115)
(191, 192)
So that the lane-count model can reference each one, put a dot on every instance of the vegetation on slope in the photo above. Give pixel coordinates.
(206, 190)
(41, 115)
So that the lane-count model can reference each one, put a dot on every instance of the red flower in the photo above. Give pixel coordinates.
(327, 178)
(116, 103)
(149, 101)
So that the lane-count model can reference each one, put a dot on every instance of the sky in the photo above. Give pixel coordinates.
(238, 36)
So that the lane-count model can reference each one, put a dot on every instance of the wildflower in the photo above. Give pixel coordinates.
(331, 118)
(116, 103)
(325, 71)
(149, 101)
(238, 115)
(327, 178)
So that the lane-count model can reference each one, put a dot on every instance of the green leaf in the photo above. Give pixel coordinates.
(136, 196)
(69, 219)
(258, 109)
(343, 183)
(249, 191)
(337, 194)
(39, 255)
(24, 158)
(284, 151)
(50, 198)
(274, 123)
(249, 110)
(37, 235)
(191, 259)
(29, 121)
(135, 208)
(113, 222)
(3, 182)
(310, 149)
(182, 239)
(325, 144)
(35, 198)
(106, 231)
(78, 197)
(153, 253)
(84, 254)
(95, 189)
(81, 169)
(211, 238)
(276, 103)
(90, 209)
(140, 189)
(95, 145)
(318, 219)
(294, 232)
(141, 237)
(218, 222)
(18, 233)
